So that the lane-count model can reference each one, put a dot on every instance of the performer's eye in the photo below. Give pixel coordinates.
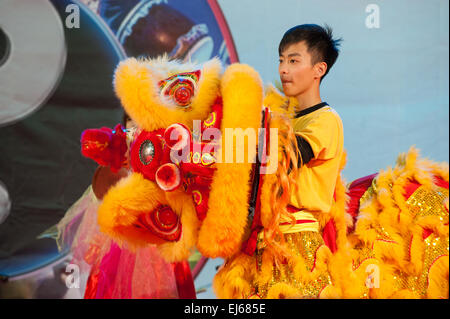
(146, 152)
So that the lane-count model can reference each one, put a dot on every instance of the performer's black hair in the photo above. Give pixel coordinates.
(125, 118)
(319, 40)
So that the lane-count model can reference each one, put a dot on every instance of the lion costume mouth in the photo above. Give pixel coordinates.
(162, 222)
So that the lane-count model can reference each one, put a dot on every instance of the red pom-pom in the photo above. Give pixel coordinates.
(105, 146)
(168, 177)
(95, 143)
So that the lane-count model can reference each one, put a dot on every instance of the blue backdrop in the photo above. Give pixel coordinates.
(389, 84)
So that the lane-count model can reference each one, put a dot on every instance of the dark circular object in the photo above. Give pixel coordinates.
(5, 47)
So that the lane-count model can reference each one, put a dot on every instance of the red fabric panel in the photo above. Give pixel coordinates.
(329, 235)
(355, 191)
(413, 186)
(440, 182)
(249, 246)
(426, 232)
(91, 286)
(410, 188)
(185, 283)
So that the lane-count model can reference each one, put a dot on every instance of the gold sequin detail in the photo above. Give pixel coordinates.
(383, 235)
(363, 254)
(428, 202)
(435, 247)
(425, 201)
(305, 245)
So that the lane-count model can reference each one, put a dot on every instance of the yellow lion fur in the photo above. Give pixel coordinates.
(136, 85)
(386, 224)
(222, 231)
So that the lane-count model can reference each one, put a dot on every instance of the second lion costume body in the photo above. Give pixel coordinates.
(386, 236)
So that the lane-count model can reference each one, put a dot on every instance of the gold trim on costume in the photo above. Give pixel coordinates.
(311, 225)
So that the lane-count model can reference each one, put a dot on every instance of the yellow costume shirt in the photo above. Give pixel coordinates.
(323, 130)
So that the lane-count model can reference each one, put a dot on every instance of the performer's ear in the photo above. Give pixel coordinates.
(320, 69)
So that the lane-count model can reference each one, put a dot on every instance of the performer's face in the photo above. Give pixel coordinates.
(130, 123)
(297, 74)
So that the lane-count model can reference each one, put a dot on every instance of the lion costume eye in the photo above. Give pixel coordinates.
(146, 152)
(180, 88)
